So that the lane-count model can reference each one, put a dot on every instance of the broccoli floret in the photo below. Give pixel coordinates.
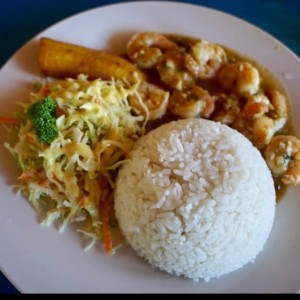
(42, 115)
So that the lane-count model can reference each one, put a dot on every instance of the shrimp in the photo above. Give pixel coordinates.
(205, 59)
(146, 48)
(172, 70)
(278, 108)
(282, 156)
(227, 108)
(261, 117)
(239, 77)
(150, 101)
(194, 102)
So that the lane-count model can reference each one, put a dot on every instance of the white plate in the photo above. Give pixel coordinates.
(38, 259)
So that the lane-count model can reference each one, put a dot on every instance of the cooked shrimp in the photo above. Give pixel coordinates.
(146, 48)
(262, 116)
(273, 105)
(183, 41)
(172, 70)
(256, 106)
(283, 158)
(205, 59)
(227, 108)
(260, 132)
(194, 102)
(278, 108)
(239, 77)
(150, 101)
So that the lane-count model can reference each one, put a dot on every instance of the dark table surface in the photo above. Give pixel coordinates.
(21, 20)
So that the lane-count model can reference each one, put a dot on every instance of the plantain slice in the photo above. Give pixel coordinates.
(59, 59)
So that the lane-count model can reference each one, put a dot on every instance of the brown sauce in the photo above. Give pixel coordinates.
(269, 81)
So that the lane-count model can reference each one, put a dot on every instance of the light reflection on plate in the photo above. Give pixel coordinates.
(38, 259)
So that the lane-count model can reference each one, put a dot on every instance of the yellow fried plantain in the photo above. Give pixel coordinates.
(60, 59)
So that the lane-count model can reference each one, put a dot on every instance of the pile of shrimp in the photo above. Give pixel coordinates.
(185, 67)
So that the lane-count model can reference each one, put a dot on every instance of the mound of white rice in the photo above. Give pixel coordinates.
(195, 199)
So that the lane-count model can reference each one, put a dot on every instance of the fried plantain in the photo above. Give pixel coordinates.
(59, 59)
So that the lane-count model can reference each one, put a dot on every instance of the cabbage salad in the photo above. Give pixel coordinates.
(71, 178)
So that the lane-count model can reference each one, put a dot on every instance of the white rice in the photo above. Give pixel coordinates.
(196, 199)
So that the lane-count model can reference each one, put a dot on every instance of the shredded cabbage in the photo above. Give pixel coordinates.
(96, 129)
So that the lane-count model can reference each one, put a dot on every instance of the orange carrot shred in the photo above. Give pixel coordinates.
(43, 183)
(45, 91)
(27, 176)
(29, 138)
(9, 120)
(104, 214)
(59, 112)
(102, 182)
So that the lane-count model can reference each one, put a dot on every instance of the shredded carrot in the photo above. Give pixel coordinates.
(102, 182)
(104, 213)
(83, 202)
(29, 138)
(9, 120)
(45, 91)
(59, 112)
(43, 183)
(27, 176)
